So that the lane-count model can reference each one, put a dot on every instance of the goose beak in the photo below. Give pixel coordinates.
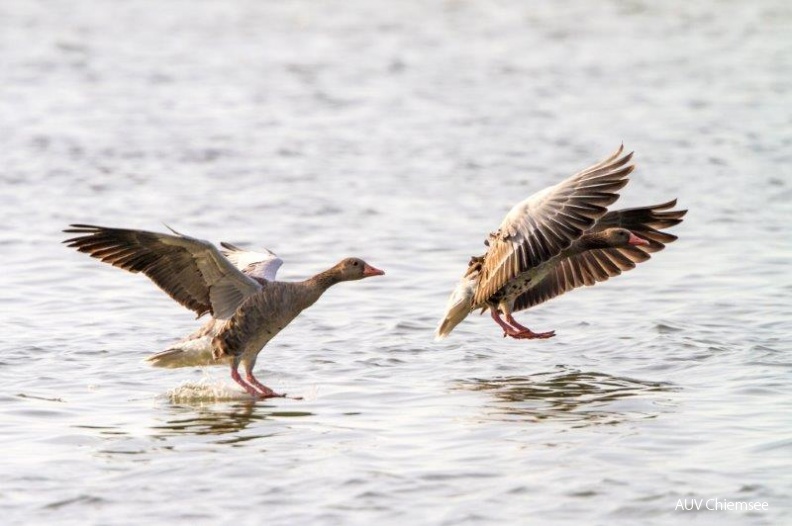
(635, 240)
(369, 271)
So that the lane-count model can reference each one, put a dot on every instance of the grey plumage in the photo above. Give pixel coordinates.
(248, 308)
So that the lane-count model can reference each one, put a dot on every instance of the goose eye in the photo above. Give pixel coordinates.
(355, 263)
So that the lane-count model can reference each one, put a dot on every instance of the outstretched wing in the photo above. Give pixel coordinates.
(546, 223)
(257, 265)
(191, 271)
(597, 265)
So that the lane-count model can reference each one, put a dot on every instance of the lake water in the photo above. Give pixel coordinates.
(400, 132)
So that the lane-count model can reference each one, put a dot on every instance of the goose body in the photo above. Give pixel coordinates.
(271, 311)
(560, 238)
(237, 287)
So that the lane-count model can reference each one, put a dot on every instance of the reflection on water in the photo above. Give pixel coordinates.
(585, 398)
(204, 420)
(203, 408)
(220, 419)
(207, 407)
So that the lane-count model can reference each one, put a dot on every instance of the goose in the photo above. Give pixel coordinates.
(560, 238)
(237, 287)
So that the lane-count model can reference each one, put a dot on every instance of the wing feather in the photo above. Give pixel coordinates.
(546, 223)
(254, 264)
(593, 266)
(191, 271)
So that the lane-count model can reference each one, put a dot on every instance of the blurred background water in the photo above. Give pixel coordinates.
(400, 132)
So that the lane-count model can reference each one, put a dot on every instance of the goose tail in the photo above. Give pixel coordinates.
(459, 306)
(191, 353)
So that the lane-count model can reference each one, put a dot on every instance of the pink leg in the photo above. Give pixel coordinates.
(529, 334)
(264, 391)
(249, 388)
(515, 330)
(253, 387)
(505, 326)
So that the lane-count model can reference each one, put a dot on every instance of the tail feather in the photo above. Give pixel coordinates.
(459, 306)
(190, 353)
(166, 358)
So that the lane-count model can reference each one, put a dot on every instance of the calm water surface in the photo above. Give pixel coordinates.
(400, 133)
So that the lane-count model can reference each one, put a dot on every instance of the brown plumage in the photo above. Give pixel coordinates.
(191, 271)
(248, 310)
(588, 262)
(560, 238)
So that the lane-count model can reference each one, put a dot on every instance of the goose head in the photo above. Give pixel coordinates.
(351, 269)
(609, 238)
(621, 237)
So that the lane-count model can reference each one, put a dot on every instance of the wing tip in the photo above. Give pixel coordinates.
(230, 247)
(82, 228)
(172, 230)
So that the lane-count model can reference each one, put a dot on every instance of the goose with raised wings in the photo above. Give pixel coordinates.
(237, 287)
(560, 238)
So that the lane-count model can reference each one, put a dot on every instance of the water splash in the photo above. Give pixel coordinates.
(205, 390)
